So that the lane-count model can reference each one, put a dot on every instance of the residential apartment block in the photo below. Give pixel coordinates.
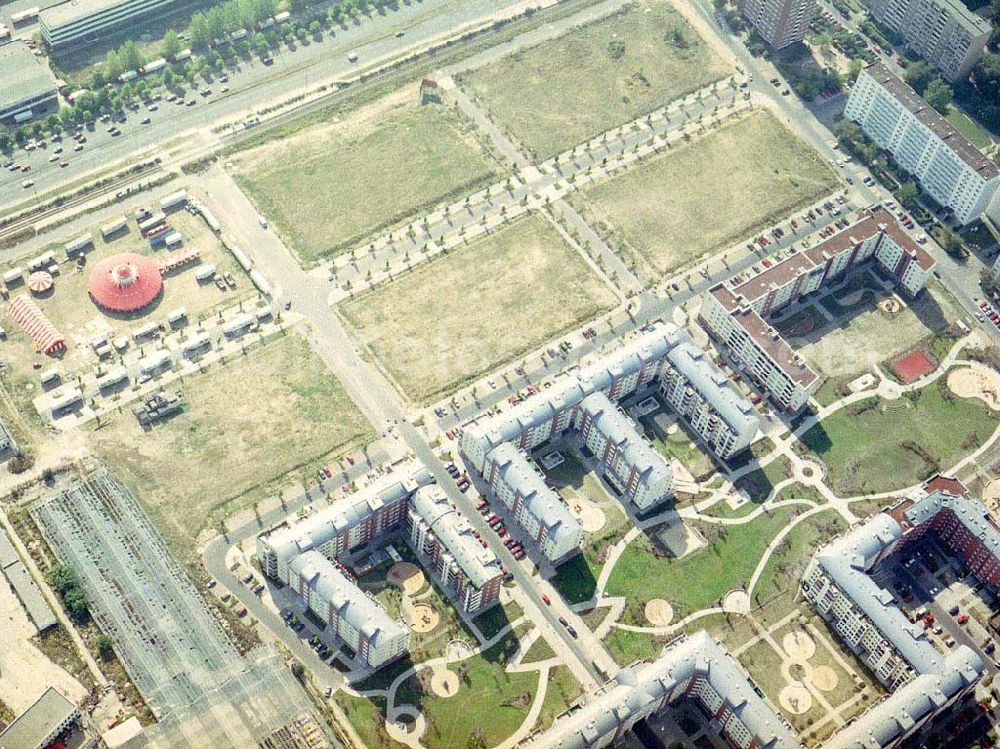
(630, 463)
(699, 392)
(694, 667)
(535, 507)
(443, 539)
(950, 169)
(585, 403)
(943, 32)
(922, 682)
(735, 312)
(358, 620)
(306, 555)
(781, 23)
(75, 23)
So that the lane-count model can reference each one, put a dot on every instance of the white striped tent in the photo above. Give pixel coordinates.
(34, 322)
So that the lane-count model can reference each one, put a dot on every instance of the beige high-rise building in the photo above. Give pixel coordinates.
(780, 22)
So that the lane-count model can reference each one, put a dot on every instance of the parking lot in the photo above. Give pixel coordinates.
(934, 589)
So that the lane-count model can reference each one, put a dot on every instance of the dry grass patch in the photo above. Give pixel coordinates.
(705, 194)
(245, 426)
(567, 90)
(329, 187)
(467, 312)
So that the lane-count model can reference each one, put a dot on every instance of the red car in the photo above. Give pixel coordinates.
(962, 619)
(928, 620)
(548, 601)
(350, 460)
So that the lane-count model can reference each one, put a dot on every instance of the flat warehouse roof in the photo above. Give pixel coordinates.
(24, 77)
(34, 725)
(75, 10)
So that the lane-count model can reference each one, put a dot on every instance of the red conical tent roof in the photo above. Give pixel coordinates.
(125, 283)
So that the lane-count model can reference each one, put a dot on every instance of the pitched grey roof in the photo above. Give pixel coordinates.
(847, 560)
(541, 501)
(969, 512)
(620, 430)
(911, 703)
(350, 602)
(636, 688)
(324, 524)
(453, 530)
(714, 386)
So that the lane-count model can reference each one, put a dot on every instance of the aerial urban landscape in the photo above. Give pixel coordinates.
(499, 374)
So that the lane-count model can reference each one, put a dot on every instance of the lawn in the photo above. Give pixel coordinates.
(700, 579)
(679, 446)
(789, 560)
(367, 716)
(496, 618)
(568, 90)
(330, 187)
(576, 579)
(969, 128)
(465, 313)
(626, 647)
(877, 450)
(560, 692)
(489, 700)
(245, 427)
(705, 194)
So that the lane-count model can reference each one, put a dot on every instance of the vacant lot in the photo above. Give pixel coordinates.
(568, 90)
(893, 444)
(244, 427)
(473, 309)
(707, 193)
(331, 186)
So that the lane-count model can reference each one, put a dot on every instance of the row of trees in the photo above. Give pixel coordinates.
(222, 20)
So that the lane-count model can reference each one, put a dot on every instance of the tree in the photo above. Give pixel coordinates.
(298, 670)
(198, 31)
(857, 64)
(952, 244)
(112, 66)
(260, 44)
(919, 75)
(939, 95)
(105, 648)
(171, 45)
(130, 56)
(908, 194)
(6, 142)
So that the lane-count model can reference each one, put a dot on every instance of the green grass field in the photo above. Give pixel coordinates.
(330, 187)
(969, 128)
(244, 428)
(723, 565)
(707, 193)
(565, 91)
(865, 453)
(462, 314)
(487, 702)
(788, 562)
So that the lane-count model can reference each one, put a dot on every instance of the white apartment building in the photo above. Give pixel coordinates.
(629, 463)
(943, 32)
(950, 169)
(357, 619)
(695, 666)
(700, 393)
(535, 507)
(735, 312)
(781, 23)
(80, 22)
(922, 682)
(443, 539)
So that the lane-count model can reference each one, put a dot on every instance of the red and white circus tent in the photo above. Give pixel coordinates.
(34, 322)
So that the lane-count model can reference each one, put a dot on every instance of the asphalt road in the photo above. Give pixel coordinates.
(251, 87)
